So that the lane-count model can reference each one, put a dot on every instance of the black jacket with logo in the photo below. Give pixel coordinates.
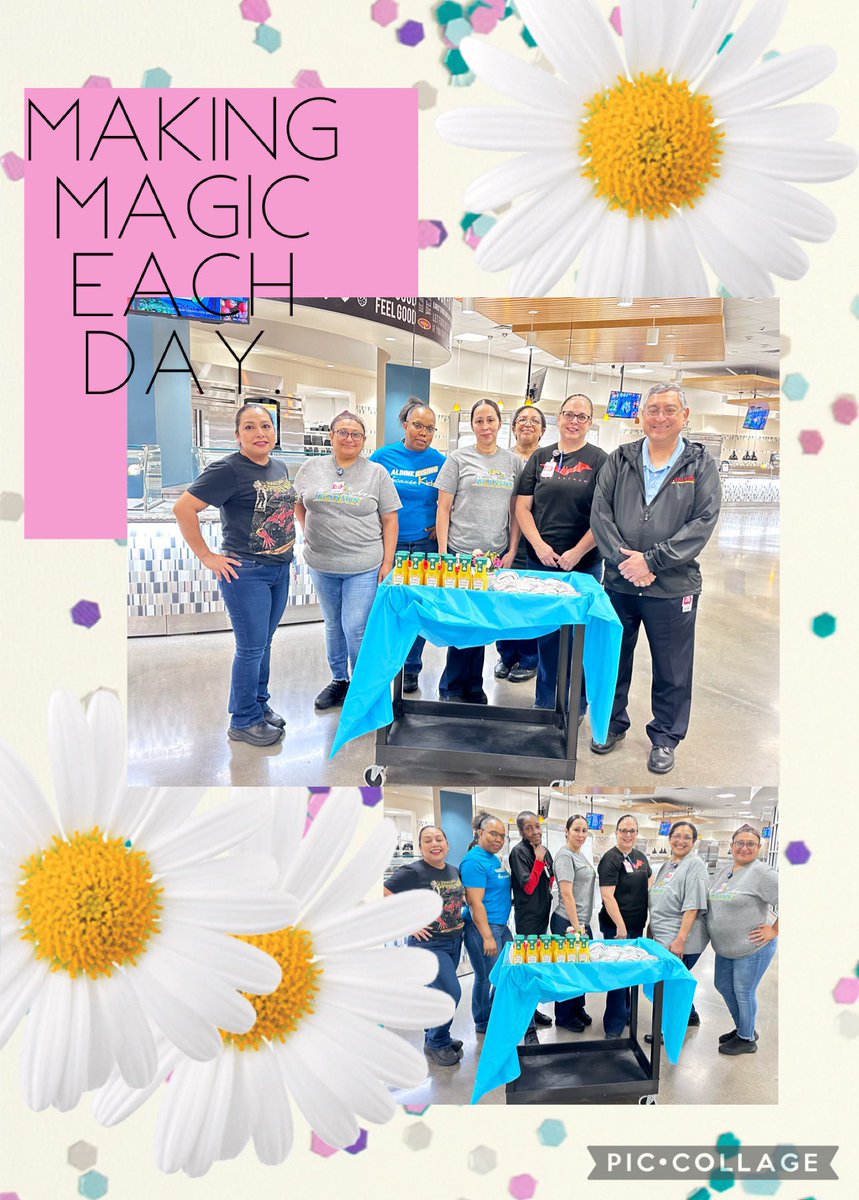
(670, 531)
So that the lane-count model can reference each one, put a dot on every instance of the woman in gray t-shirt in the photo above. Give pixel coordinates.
(741, 899)
(476, 501)
(677, 901)
(572, 906)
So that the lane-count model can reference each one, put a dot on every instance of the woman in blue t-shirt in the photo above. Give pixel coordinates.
(489, 898)
(413, 466)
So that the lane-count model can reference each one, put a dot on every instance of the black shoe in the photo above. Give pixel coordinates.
(476, 697)
(446, 1057)
(694, 1018)
(530, 1038)
(273, 718)
(648, 1037)
(501, 669)
(573, 1025)
(456, 1043)
(256, 735)
(726, 1037)
(585, 1018)
(332, 696)
(607, 746)
(660, 760)
(542, 1019)
(410, 683)
(612, 1037)
(522, 674)
(738, 1045)
(455, 697)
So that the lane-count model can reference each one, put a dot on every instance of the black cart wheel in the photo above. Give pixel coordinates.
(647, 1100)
(375, 776)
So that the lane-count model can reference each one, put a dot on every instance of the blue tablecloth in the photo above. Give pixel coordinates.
(520, 988)
(458, 617)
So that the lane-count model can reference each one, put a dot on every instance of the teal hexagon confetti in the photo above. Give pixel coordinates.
(729, 1144)
(795, 386)
(824, 625)
(447, 12)
(721, 1181)
(552, 1132)
(156, 77)
(93, 1185)
(268, 38)
(456, 30)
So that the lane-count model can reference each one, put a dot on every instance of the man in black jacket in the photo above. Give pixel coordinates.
(531, 872)
(655, 507)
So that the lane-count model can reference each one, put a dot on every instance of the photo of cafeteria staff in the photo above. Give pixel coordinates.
(413, 466)
(477, 492)
(488, 896)
(531, 874)
(347, 507)
(742, 917)
(575, 884)
(623, 875)
(257, 506)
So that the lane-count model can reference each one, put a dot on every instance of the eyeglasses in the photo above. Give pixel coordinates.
(746, 845)
(346, 434)
(416, 425)
(628, 829)
(661, 412)
(528, 421)
(581, 418)
(676, 838)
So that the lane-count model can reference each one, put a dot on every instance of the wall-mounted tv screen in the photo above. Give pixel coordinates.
(767, 831)
(219, 310)
(664, 828)
(623, 404)
(595, 820)
(756, 417)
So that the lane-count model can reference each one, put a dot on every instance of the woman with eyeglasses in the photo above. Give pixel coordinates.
(742, 918)
(677, 901)
(347, 507)
(489, 898)
(517, 661)
(413, 466)
(623, 874)
(553, 508)
(575, 883)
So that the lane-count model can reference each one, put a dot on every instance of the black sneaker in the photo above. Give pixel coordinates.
(530, 1038)
(273, 718)
(521, 674)
(726, 1037)
(332, 696)
(573, 1026)
(501, 669)
(256, 735)
(456, 1043)
(608, 745)
(738, 1045)
(410, 683)
(695, 1019)
(446, 1057)
(476, 697)
(542, 1019)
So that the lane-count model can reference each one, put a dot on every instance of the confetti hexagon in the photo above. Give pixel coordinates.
(482, 1160)
(370, 797)
(384, 12)
(415, 1110)
(359, 1144)
(11, 506)
(795, 386)
(411, 33)
(845, 410)
(100, 81)
(86, 613)
(721, 1181)
(308, 79)
(447, 12)
(428, 235)
(257, 11)
(615, 21)
(700, 1194)
(427, 95)
(268, 37)
(761, 1187)
(157, 77)
(522, 1187)
(13, 166)
(93, 1185)
(854, 307)
(9, 1196)
(483, 20)
(811, 441)
(551, 1132)
(846, 990)
(797, 853)
(317, 1146)
(82, 1155)
(456, 30)
(824, 625)
(455, 63)
(418, 1136)
(848, 1024)
(729, 1144)
(442, 232)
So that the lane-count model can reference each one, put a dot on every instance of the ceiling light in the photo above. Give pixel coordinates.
(653, 336)
(725, 795)
(656, 306)
(389, 339)
(470, 337)
(678, 376)
(419, 362)
(592, 374)
(532, 312)
(468, 305)
(531, 339)
(668, 361)
(625, 302)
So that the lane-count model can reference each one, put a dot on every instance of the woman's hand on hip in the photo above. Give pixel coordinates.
(221, 565)
(423, 935)
(762, 934)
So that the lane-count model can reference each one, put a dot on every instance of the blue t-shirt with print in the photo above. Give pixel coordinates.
(413, 473)
(480, 869)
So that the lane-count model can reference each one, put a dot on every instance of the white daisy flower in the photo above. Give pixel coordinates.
(317, 1039)
(117, 917)
(651, 162)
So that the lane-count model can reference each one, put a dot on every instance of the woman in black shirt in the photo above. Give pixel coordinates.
(623, 877)
(444, 936)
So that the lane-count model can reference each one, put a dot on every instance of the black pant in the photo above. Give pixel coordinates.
(671, 636)
(568, 1010)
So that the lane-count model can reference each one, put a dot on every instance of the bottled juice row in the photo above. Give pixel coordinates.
(442, 570)
(551, 947)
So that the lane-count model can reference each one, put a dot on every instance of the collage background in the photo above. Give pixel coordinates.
(208, 44)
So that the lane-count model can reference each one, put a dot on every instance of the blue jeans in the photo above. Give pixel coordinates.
(482, 991)
(616, 1014)
(737, 980)
(689, 961)
(524, 653)
(567, 1010)
(414, 658)
(345, 601)
(255, 602)
(548, 648)
(448, 951)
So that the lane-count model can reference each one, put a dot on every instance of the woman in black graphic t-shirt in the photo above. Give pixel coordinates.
(257, 504)
(444, 936)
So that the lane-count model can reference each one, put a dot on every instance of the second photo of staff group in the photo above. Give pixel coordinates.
(518, 540)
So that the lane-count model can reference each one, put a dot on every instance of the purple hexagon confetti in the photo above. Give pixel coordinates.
(811, 441)
(13, 166)
(86, 613)
(845, 409)
(359, 1144)
(846, 990)
(411, 33)
(797, 853)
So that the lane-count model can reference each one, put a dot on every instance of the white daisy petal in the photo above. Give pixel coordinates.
(183, 1114)
(674, 266)
(754, 234)
(635, 262)
(798, 214)
(539, 273)
(516, 177)
(208, 1147)
(652, 31)
(602, 267)
(202, 991)
(356, 1088)
(523, 232)
(236, 913)
(408, 965)
(740, 274)
(521, 81)
(21, 979)
(357, 878)
(250, 968)
(776, 80)
(709, 23)
(207, 835)
(237, 1131)
(131, 807)
(168, 809)
(802, 162)
(322, 1108)
(322, 849)
(377, 922)
(177, 1021)
(105, 719)
(394, 1061)
(46, 1036)
(270, 1113)
(116, 1100)
(400, 1007)
(246, 870)
(72, 761)
(577, 40)
(281, 836)
(508, 129)
(804, 121)
(101, 1061)
(751, 40)
(76, 1057)
(126, 1029)
(26, 820)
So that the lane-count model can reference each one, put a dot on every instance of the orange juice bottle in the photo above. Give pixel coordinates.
(416, 569)
(448, 570)
(400, 560)
(433, 571)
(480, 575)
(464, 580)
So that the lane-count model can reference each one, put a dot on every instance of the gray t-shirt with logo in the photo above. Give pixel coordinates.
(343, 529)
(482, 486)
(740, 900)
(572, 866)
(678, 888)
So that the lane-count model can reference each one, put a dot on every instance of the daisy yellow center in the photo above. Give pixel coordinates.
(280, 1013)
(650, 145)
(88, 903)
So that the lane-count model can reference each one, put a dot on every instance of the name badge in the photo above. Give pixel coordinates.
(548, 470)
(686, 606)
(341, 486)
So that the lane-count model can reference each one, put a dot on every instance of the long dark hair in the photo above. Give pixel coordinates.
(260, 404)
